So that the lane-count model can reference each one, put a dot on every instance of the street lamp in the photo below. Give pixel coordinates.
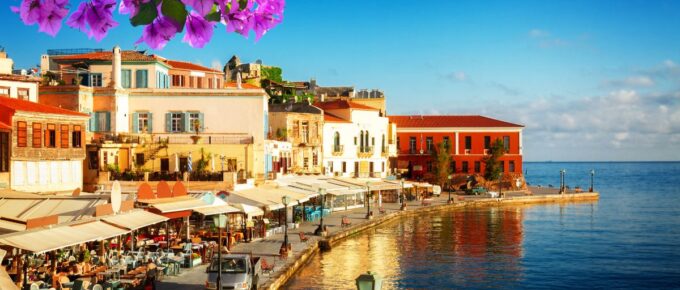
(563, 185)
(220, 222)
(369, 281)
(401, 195)
(285, 247)
(449, 177)
(321, 231)
(592, 180)
(368, 200)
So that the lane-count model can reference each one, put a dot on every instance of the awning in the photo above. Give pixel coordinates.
(271, 196)
(180, 205)
(135, 219)
(219, 209)
(45, 240)
(6, 282)
(249, 209)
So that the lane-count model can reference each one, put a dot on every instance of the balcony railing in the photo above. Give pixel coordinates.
(338, 150)
(175, 139)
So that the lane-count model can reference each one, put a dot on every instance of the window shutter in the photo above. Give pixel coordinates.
(149, 128)
(135, 122)
(47, 136)
(107, 126)
(200, 119)
(168, 122)
(186, 127)
(92, 124)
(57, 136)
(83, 138)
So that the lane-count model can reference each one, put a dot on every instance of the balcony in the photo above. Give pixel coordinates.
(365, 152)
(176, 139)
(338, 150)
(385, 152)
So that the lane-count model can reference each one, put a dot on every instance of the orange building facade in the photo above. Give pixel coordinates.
(470, 138)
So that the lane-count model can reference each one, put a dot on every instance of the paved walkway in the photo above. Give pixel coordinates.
(268, 248)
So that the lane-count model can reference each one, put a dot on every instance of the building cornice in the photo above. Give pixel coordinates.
(458, 129)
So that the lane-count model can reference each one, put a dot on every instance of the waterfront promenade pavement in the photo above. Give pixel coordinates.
(268, 248)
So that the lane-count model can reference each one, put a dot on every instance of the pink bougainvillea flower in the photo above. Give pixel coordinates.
(199, 30)
(203, 7)
(274, 7)
(29, 11)
(157, 34)
(77, 19)
(130, 6)
(52, 12)
(100, 18)
(238, 20)
(268, 14)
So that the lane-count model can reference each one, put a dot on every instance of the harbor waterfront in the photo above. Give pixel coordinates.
(626, 239)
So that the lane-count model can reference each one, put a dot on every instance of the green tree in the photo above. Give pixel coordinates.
(272, 73)
(493, 165)
(441, 157)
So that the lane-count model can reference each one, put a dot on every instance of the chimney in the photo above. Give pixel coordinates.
(116, 68)
(6, 63)
(322, 97)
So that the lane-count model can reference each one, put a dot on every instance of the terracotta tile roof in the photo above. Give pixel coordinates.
(27, 106)
(126, 55)
(5, 126)
(343, 104)
(189, 66)
(333, 118)
(448, 121)
(19, 78)
(243, 85)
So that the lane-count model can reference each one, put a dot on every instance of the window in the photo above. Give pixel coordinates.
(51, 136)
(176, 122)
(96, 80)
(315, 159)
(165, 164)
(506, 143)
(177, 80)
(382, 145)
(398, 146)
(64, 136)
(429, 166)
(143, 122)
(4, 92)
(93, 158)
(355, 141)
(22, 134)
(428, 143)
(84, 79)
(219, 84)
(412, 145)
(305, 162)
(478, 167)
(446, 141)
(126, 78)
(192, 81)
(465, 167)
(344, 166)
(304, 132)
(139, 159)
(487, 142)
(199, 82)
(22, 94)
(468, 142)
(102, 121)
(4, 152)
(502, 166)
(142, 78)
(511, 164)
(452, 166)
(37, 135)
(76, 137)
(336, 142)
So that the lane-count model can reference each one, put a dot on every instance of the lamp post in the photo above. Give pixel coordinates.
(563, 183)
(368, 200)
(401, 195)
(500, 185)
(321, 231)
(220, 222)
(592, 180)
(449, 178)
(285, 247)
(369, 281)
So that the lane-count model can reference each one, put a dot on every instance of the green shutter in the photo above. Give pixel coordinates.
(168, 122)
(142, 78)
(185, 122)
(107, 128)
(149, 128)
(200, 119)
(135, 122)
(92, 124)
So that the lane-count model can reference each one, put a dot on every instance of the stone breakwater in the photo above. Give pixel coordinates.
(300, 259)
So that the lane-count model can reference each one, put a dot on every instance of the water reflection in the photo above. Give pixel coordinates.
(470, 248)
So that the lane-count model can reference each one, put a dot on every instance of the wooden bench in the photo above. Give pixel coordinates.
(345, 222)
(303, 238)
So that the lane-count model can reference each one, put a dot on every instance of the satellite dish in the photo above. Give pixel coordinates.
(115, 196)
(209, 198)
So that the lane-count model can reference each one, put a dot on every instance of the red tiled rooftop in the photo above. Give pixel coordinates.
(19, 78)
(342, 104)
(27, 106)
(333, 118)
(417, 121)
(189, 66)
(126, 55)
(5, 126)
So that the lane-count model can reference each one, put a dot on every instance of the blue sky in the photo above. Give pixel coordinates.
(591, 80)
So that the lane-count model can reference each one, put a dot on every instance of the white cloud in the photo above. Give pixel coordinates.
(624, 96)
(536, 33)
(633, 81)
(457, 76)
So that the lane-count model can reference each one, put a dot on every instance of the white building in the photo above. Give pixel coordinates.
(355, 140)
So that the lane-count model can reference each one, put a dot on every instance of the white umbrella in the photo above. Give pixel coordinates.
(212, 162)
(189, 161)
(176, 163)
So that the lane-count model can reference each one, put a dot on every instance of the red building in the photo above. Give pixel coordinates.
(470, 137)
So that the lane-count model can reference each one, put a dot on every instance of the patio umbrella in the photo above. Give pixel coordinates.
(189, 166)
(176, 163)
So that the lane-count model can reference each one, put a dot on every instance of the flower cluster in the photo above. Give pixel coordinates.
(162, 19)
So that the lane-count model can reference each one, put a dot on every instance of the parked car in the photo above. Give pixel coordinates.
(239, 271)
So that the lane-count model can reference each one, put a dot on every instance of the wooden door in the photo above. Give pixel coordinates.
(124, 159)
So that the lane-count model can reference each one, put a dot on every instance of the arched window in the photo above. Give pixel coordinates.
(366, 142)
(336, 142)
(382, 146)
(361, 141)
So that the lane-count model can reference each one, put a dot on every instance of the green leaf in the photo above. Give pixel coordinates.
(175, 10)
(147, 13)
(213, 16)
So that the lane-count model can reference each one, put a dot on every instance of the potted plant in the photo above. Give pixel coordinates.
(196, 125)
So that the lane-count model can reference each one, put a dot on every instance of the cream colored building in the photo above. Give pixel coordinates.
(300, 124)
(355, 140)
(16, 86)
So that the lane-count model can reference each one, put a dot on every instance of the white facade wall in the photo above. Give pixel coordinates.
(361, 120)
(43, 176)
(14, 87)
